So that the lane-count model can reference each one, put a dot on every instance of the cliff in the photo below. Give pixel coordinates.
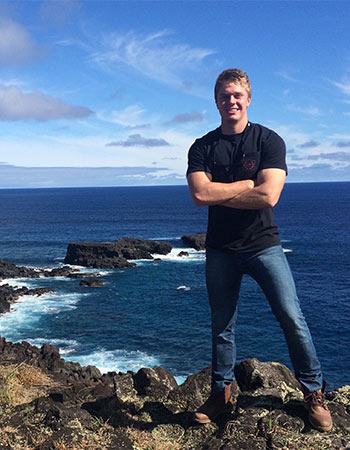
(48, 403)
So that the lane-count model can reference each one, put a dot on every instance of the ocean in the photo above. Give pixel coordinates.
(157, 313)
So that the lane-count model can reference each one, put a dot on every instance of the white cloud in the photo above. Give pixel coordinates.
(309, 144)
(128, 117)
(152, 55)
(292, 136)
(136, 140)
(18, 105)
(194, 116)
(17, 47)
(12, 176)
(287, 76)
(343, 85)
(310, 110)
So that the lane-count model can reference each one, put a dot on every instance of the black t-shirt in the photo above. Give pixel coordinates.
(237, 157)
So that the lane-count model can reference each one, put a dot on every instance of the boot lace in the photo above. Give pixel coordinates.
(316, 399)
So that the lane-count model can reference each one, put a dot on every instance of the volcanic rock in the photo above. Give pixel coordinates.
(114, 255)
(148, 408)
(9, 294)
(10, 270)
(196, 241)
(92, 282)
(102, 255)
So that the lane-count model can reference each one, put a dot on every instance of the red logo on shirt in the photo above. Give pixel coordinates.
(249, 164)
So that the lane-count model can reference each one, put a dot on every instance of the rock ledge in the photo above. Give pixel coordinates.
(148, 409)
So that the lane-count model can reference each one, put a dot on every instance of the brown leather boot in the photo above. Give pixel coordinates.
(319, 415)
(217, 403)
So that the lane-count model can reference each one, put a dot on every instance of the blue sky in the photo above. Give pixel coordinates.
(113, 93)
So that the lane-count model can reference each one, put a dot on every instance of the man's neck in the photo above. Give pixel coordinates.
(230, 127)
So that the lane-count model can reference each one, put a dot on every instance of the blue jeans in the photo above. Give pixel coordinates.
(270, 269)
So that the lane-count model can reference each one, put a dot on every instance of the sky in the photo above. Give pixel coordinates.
(113, 93)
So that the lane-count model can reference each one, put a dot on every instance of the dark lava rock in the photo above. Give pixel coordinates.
(114, 255)
(92, 282)
(101, 255)
(47, 358)
(133, 248)
(252, 374)
(9, 294)
(156, 382)
(64, 271)
(83, 275)
(196, 241)
(39, 291)
(9, 270)
(181, 254)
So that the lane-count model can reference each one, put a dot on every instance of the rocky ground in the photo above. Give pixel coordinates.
(48, 403)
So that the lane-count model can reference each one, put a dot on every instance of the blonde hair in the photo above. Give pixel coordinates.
(236, 76)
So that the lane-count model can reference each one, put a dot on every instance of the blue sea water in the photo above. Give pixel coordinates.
(157, 313)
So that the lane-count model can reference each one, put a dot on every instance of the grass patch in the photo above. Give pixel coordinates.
(144, 440)
(22, 383)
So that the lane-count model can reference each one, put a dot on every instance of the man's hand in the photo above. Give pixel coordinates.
(205, 192)
(266, 193)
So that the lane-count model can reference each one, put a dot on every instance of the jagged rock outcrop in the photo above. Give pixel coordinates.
(47, 358)
(114, 255)
(91, 282)
(133, 248)
(9, 294)
(10, 270)
(150, 407)
(196, 241)
(99, 255)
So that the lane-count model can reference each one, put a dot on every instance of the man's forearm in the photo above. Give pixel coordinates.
(265, 194)
(213, 193)
(252, 199)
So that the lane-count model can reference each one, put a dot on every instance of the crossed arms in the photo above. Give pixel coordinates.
(244, 194)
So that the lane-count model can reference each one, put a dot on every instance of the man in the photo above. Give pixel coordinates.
(239, 170)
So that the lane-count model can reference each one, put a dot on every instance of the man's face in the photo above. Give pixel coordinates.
(232, 102)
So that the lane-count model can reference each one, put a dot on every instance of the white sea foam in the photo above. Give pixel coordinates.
(287, 250)
(116, 360)
(167, 238)
(66, 346)
(193, 255)
(183, 288)
(29, 309)
(18, 282)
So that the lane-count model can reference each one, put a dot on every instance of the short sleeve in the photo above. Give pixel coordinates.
(197, 159)
(273, 154)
